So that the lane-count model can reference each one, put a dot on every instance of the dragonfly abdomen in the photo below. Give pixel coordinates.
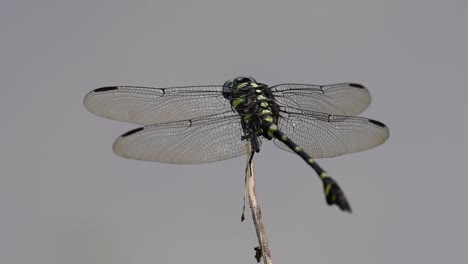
(333, 193)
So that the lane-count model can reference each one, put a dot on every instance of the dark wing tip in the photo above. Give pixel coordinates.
(377, 123)
(105, 89)
(357, 85)
(136, 130)
(93, 92)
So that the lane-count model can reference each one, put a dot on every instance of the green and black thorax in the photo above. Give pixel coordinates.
(255, 104)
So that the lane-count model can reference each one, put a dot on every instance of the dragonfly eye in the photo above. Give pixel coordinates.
(244, 79)
(233, 83)
(229, 83)
(230, 87)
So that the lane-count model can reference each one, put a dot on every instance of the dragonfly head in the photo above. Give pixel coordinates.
(238, 82)
(232, 85)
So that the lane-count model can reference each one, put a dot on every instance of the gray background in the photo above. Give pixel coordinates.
(66, 198)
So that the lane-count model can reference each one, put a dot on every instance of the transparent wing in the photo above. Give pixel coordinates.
(324, 136)
(335, 99)
(190, 141)
(148, 106)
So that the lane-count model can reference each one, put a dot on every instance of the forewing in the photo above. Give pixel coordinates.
(335, 99)
(148, 106)
(324, 136)
(187, 142)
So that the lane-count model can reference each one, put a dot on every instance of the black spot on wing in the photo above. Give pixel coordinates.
(133, 131)
(105, 89)
(357, 85)
(377, 123)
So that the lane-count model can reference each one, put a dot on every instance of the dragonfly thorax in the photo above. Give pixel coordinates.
(255, 105)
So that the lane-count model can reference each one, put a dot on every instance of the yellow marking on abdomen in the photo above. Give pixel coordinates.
(297, 149)
(327, 189)
(324, 175)
(271, 129)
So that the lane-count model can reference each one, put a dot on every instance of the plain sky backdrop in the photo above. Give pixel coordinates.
(66, 198)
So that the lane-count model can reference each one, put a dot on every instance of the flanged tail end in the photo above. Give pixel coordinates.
(334, 194)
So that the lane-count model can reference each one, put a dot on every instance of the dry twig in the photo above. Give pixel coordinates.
(263, 250)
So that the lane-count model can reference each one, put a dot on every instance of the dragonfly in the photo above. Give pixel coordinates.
(207, 123)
